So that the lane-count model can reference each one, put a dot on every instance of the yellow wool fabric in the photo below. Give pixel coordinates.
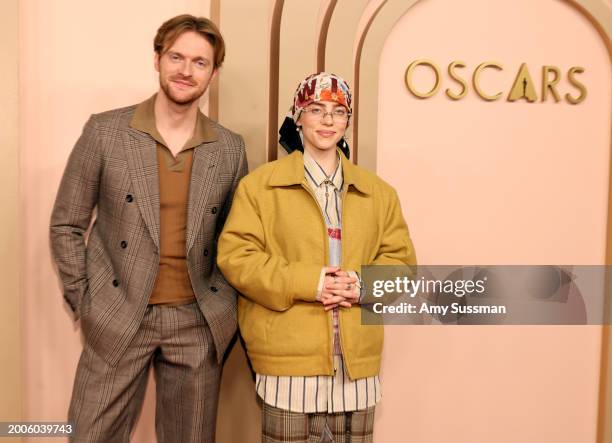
(272, 248)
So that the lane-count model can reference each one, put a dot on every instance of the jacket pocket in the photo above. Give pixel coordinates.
(99, 270)
(253, 321)
(301, 331)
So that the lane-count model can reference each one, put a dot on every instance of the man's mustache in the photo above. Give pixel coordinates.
(183, 79)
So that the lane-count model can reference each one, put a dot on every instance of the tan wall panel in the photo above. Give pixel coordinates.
(243, 86)
(243, 107)
(389, 13)
(297, 51)
(339, 53)
(10, 334)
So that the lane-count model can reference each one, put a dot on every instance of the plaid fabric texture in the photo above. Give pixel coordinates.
(280, 426)
(108, 280)
(177, 342)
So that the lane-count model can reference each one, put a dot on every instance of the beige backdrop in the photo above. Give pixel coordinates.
(462, 384)
(496, 183)
(10, 336)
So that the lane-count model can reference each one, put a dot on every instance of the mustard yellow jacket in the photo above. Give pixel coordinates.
(272, 249)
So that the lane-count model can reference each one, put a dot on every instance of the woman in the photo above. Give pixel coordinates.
(299, 230)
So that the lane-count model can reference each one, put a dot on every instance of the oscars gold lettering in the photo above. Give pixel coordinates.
(572, 79)
(548, 84)
(410, 73)
(523, 86)
(453, 74)
(476, 78)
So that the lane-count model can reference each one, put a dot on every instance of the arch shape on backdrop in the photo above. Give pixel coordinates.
(327, 9)
(377, 23)
(377, 19)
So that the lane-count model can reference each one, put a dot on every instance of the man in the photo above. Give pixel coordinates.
(145, 284)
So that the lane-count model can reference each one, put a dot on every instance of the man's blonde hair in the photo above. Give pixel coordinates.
(171, 29)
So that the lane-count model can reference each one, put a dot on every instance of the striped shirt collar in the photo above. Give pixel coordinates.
(316, 176)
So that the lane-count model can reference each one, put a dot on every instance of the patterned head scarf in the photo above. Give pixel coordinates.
(316, 87)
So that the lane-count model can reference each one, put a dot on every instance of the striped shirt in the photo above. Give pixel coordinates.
(323, 393)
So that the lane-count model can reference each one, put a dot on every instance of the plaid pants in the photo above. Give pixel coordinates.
(177, 342)
(280, 426)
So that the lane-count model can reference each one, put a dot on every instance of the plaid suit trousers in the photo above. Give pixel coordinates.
(177, 343)
(281, 426)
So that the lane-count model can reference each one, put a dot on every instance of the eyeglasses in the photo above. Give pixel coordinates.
(340, 114)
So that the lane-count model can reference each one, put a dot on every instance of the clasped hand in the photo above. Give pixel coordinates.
(339, 289)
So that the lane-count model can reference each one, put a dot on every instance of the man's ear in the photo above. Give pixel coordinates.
(214, 74)
(156, 62)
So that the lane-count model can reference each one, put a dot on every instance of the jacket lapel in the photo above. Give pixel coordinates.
(204, 171)
(141, 155)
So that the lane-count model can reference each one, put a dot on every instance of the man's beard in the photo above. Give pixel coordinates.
(183, 101)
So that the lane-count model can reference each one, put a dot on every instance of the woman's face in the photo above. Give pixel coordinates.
(323, 125)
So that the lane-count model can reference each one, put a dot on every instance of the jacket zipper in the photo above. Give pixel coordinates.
(342, 262)
(326, 261)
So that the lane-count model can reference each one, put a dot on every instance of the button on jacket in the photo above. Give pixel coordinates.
(272, 248)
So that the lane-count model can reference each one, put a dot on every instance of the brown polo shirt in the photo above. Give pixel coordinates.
(172, 285)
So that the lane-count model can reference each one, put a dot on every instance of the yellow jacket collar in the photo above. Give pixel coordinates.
(290, 171)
